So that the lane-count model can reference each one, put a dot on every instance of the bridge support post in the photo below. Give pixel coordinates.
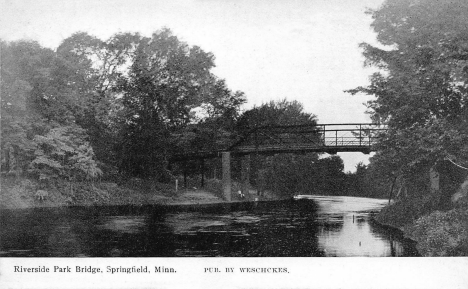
(226, 162)
(245, 175)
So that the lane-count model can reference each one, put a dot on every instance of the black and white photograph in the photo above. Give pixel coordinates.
(234, 144)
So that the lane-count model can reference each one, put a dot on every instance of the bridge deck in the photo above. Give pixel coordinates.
(327, 138)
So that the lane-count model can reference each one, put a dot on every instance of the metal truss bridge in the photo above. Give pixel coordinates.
(325, 138)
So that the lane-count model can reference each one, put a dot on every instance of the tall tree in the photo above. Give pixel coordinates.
(213, 123)
(421, 90)
(167, 84)
(25, 98)
(38, 115)
(90, 72)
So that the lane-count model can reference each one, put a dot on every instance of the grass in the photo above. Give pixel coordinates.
(437, 233)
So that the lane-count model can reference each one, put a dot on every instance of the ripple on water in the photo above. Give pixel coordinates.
(124, 224)
(193, 222)
(246, 219)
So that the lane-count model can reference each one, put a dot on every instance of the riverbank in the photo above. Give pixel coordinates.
(436, 233)
(22, 193)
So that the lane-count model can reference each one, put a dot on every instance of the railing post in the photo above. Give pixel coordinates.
(360, 135)
(324, 136)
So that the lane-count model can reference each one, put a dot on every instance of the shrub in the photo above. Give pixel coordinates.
(64, 152)
(441, 233)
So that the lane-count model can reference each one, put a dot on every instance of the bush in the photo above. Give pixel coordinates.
(63, 152)
(406, 211)
(441, 233)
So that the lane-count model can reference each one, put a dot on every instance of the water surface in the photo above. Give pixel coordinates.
(312, 226)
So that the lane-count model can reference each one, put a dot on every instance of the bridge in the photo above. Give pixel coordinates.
(303, 138)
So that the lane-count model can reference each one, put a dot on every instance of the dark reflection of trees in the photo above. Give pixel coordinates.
(151, 238)
(285, 229)
(360, 221)
(333, 223)
(39, 232)
(289, 234)
(399, 245)
(28, 232)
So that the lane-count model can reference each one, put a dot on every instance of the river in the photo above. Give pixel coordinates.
(311, 226)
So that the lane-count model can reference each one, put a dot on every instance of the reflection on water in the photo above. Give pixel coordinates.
(345, 230)
(124, 224)
(312, 226)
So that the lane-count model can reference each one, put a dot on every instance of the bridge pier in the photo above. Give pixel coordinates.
(245, 176)
(226, 165)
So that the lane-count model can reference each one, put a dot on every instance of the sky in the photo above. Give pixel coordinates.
(305, 50)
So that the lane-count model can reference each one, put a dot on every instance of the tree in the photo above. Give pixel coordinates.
(138, 99)
(90, 73)
(25, 71)
(283, 173)
(171, 102)
(213, 123)
(273, 113)
(39, 134)
(421, 89)
(64, 152)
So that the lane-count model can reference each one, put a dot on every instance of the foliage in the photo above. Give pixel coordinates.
(282, 112)
(213, 124)
(421, 89)
(421, 93)
(290, 174)
(128, 101)
(92, 69)
(441, 233)
(365, 182)
(38, 113)
(25, 69)
(171, 102)
(64, 152)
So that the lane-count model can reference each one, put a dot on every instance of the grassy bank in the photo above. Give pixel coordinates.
(437, 233)
(22, 193)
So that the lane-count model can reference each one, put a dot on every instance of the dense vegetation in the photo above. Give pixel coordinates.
(290, 174)
(421, 94)
(119, 108)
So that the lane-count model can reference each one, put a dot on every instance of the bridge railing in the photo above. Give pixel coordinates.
(329, 138)
(350, 134)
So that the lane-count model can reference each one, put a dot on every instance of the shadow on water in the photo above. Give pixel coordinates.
(279, 228)
(398, 244)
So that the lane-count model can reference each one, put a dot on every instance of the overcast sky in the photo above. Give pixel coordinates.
(305, 50)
